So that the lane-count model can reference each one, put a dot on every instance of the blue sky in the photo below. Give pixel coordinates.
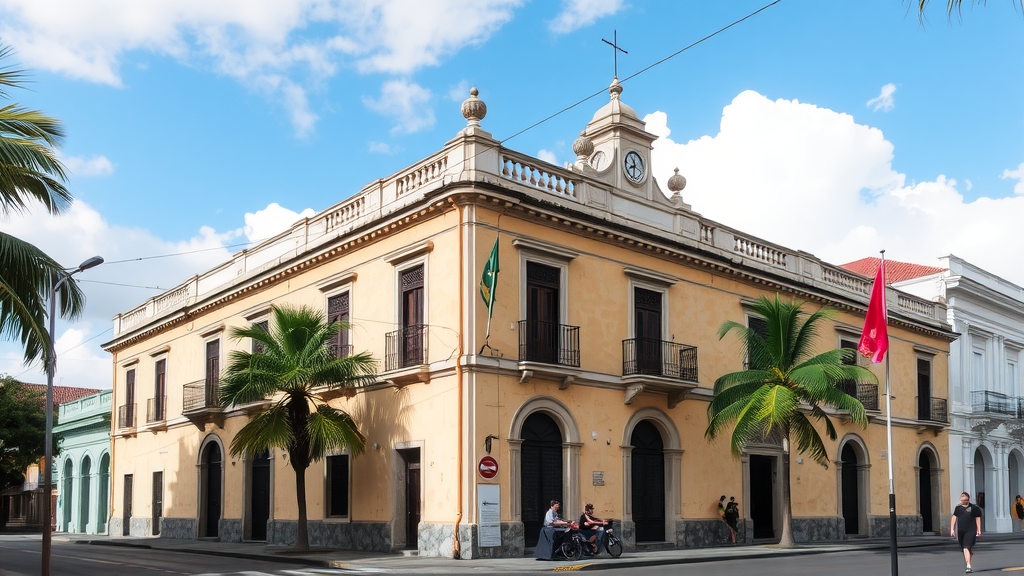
(838, 128)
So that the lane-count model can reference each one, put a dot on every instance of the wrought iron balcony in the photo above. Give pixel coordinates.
(405, 347)
(156, 409)
(936, 410)
(866, 393)
(342, 351)
(549, 343)
(986, 402)
(126, 416)
(201, 395)
(659, 358)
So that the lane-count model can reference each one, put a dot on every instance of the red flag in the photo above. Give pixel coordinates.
(874, 340)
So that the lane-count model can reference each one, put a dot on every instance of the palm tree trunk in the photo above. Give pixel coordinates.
(301, 536)
(787, 503)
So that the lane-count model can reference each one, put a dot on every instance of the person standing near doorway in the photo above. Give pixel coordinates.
(965, 526)
(1018, 507)
(732, 516)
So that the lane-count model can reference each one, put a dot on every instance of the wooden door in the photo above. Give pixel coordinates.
(924, 389)
(259, 505)
(161, 388)
(129, 397)
(412, 317)
(543, 313)
(213, 490)
(338, 311)
(647, 329)
(212, 371)
(540, 472)
(412, 504)
(648, 481)
(158, 501)
(126, 516)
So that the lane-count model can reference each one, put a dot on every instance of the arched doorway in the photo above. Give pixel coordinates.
(541, 471)
(981, 494)
(852, 490)
(69, 470)
(259, 496)
(648, 481)
(103, 494)
(83, 506)
(1013, 467)
(925, 473)
(210, 496)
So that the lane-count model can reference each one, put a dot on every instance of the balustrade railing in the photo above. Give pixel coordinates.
(842, 279)
(421, 175)
(525, 171)
(200, 395)
(549, 343)
(405, 347)
(987, 402)
(156, 409)
(759, 251)
(866, 393)
(126, 416)
(933, 410)
(659, 358)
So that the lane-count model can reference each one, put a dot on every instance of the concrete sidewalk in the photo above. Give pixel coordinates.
(372, 562)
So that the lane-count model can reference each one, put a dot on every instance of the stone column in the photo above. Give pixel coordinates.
(571, 489)
(515, 504)
(673, 494)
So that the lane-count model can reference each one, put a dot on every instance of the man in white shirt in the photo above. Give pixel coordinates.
(552, 518)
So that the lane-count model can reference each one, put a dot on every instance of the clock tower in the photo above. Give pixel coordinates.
(622, 147)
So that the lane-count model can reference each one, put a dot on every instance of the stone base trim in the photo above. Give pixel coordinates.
(142, 527)
(705, 533)
(115, 527)
(179, 528)
(878, 526)
(816, 529)
(229, 530)
(368, 536)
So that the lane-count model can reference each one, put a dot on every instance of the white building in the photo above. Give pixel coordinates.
(986, 439)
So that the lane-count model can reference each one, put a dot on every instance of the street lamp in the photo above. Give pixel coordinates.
(56, 281)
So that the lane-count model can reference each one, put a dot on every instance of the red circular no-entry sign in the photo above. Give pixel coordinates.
(488, 467)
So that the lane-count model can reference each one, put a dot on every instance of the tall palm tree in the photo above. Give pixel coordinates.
(29, 172)
(783, 389)
(294, 361)
(955, 6)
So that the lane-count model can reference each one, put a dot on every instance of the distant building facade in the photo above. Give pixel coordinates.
(593, 385)
(22, 504)
(82, 470)
(986, 441)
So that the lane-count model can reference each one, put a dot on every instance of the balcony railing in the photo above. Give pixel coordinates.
(659, 358)
(406, 347)
(342, 351)
(126, 416)
(156, 409)
(984, 401)
(200, 395)
(866, 393)
(549, 343)
(935, 410)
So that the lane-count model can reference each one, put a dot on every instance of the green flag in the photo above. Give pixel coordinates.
(489, 279)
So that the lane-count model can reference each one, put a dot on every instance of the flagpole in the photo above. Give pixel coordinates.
(895, 569)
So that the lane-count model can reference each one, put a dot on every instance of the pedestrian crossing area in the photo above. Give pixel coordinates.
(297, 572)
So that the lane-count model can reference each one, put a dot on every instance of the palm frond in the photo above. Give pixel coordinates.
(331, 429)
(269, 429)
(807, 439)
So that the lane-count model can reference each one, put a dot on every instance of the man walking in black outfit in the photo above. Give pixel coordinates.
(965, 525)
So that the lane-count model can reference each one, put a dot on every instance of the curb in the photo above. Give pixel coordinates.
(224, 554)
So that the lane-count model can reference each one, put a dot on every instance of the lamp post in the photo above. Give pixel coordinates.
(56, 281)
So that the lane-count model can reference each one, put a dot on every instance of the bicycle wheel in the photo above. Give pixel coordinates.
(613, 545)
(571, 549)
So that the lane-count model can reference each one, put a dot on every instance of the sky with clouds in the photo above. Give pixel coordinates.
(196, 127)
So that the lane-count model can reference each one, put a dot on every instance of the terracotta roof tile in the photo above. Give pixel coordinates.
(62, 394)
(895, 271)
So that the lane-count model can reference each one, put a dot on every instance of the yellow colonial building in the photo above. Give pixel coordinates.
(593, 385)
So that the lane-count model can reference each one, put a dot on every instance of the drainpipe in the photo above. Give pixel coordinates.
(456, 546)
(113, 423)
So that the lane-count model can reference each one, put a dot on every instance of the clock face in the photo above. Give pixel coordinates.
(598, 161)
(633, 166)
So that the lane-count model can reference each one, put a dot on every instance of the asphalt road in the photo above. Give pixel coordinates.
(21, 558)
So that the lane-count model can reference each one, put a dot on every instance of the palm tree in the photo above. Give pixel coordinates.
(29, 172)
(953, 6)
(783, 388)
(294, 361)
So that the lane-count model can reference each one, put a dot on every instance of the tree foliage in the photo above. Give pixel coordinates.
(30, 173)
(294, 364)
(785, 390)
(22, 429)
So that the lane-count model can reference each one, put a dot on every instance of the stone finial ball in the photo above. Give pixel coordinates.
(582, 146)
(676, 183)
(473, 108)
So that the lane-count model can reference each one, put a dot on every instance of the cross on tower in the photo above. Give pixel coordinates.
(615, 50)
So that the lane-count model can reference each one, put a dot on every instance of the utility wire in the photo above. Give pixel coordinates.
(79, 345)
(120, 284)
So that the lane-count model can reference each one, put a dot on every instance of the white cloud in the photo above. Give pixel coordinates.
(95, 166)
(547, 156)
(271, 221)
(812, 179)
(459, 92)
(270, 47)
(884, 101)
(82, 232)
(380, 148)
(969, 184)
(577, 14)
(406, 102)
(1017, 175)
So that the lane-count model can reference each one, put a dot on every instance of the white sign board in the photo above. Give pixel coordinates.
(488, 518)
